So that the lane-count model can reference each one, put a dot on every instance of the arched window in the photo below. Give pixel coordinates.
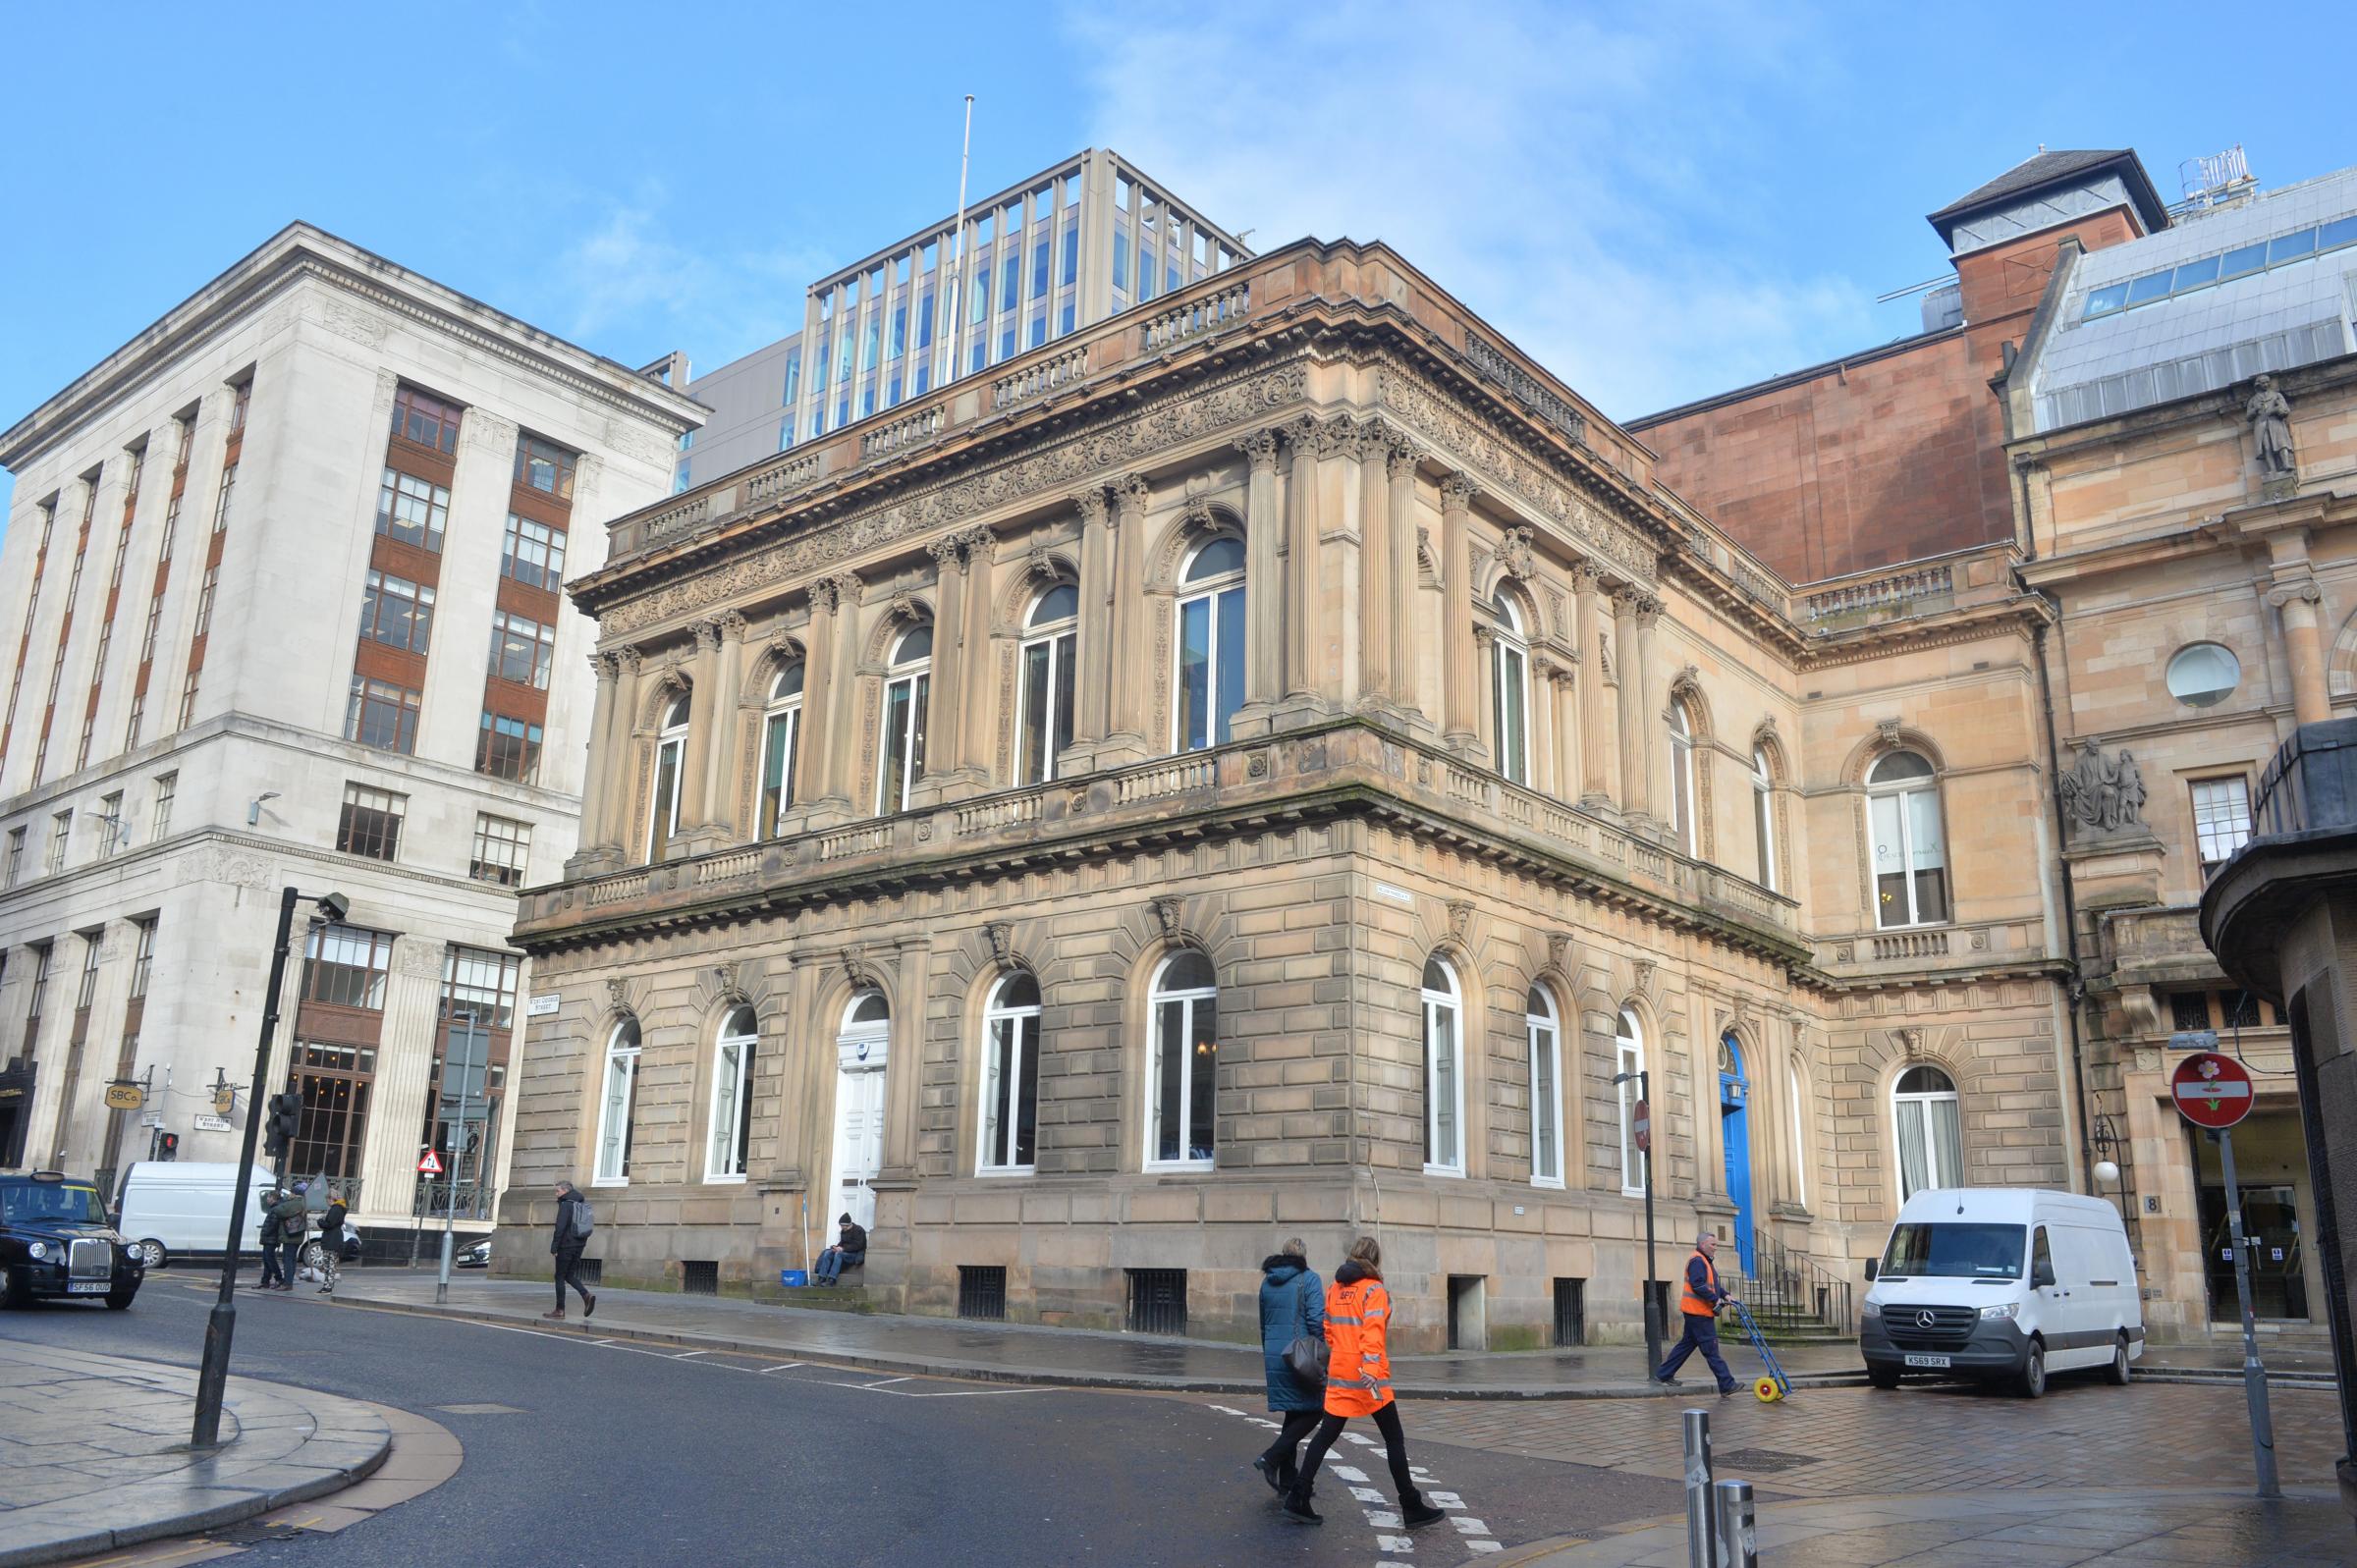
(1931, 1139)
(671, 761)
(733, 1097)
(1628, 1040)
(1011, 1076)
(1681, 777)
(1210, 678)
(618, 1103)
(1186, 1001)
(781, 740)
(907, 684)
(1546, 1088)
(1800, 1135)
(1763, 816)
(1911, 853)
(1044, 724)
(1443, 1072)
(1509, 691)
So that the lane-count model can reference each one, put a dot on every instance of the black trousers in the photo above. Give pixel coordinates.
(1395, 1444)
(1298, 1424)
(1702, 1333)
(271, 1274)
(568, 1260)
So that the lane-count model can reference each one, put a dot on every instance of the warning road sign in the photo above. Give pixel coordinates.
(429, 1164)
(2210, 1090)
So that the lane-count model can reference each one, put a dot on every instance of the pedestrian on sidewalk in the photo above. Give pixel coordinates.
(848, 1252)
(1699, 1304)
(271, 1272)
(565, 1239)
(1292, 1307)
(1358, 1383)
(331, 1245)
(293, 1211)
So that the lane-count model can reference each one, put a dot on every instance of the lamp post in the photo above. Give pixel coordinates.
(1644, 1137)
(2104, 1138)
(212, 1377)
(462, 1027)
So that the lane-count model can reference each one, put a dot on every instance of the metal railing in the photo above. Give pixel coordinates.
(1788, 1291)
(456, 1200)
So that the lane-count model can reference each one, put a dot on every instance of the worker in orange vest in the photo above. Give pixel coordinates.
(1358, 1383)
(1699, 1304)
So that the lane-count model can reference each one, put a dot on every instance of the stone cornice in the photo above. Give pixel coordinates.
(2025, 613)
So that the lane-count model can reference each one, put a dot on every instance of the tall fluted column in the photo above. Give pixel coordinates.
(1652, 723)
(1485, 654)
(1399, 475)
(1375, 601)
(597, 769)
(1131, 679)
(1567, 732)
(815, 767)
(1595, 692)
(1543, 671)
(1264, 679)
(721, 806)
(978, 721)
(2304, 650)
(705, 716)
(946, 707)
(844, 786)
(1460, 674)
(621, 749)
(1304, 634)
(1093, 719)
(1636, 774)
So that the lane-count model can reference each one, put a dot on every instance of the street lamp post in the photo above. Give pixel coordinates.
(212, 1377)
(1652, 1306)
(457, 1136)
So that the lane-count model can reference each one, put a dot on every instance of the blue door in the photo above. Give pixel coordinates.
(1735, 1114)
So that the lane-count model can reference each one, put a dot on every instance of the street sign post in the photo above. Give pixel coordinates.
(1640, 1127)
(2213, 1092)
(429, 1164)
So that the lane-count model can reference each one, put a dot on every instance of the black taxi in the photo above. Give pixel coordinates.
(55, 1240)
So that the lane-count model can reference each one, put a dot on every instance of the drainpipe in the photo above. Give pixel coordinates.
(2070, 914)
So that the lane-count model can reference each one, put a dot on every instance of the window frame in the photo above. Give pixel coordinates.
(916, 675)
(1060, 640)
(989, 1135)
(1434, 1007)
(785, 711)
(387, 804)
(519, 841)
(1685, 824)
(1188, 999)
(2240, 785)
(1628, 1056)
(510, 627)
(1903, 791)
(1927, 1100)
(1211, 592)
(739, 1089)
(1535, 1024)
(1510, 648)
(1800, 1134)
(404, 702)
(618, 1054)
(671, 738)
(1763, 816)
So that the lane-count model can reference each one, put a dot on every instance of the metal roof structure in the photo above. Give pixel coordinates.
(2045, 168)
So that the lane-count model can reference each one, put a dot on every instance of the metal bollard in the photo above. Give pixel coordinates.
(1701, 1507)
(1738, 1541)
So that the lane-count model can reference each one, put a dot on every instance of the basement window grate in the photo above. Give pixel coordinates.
(982, 1291)
(1571, 1312)
(1157, 1301)
(701, 1277)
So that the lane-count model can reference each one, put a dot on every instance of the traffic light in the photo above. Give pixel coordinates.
(167, 1145)
(286, 1120)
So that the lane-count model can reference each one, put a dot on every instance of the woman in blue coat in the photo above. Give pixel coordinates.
(1292, 1306)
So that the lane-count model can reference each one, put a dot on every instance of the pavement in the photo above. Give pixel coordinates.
(94, 1451)
(1085, 1357)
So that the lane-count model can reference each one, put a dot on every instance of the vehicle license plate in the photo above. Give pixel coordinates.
(86, 1287)
(1941, 1362)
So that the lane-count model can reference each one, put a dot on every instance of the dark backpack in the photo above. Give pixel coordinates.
(584, 1220)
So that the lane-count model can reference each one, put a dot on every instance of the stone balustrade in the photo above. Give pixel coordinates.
(1207, 312)
(900, 435)
(1895, 593)
(1038, 380)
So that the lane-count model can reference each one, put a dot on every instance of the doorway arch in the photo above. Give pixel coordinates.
(1734, 1122)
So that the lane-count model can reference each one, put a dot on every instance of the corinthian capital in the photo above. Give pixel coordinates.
(1261, 448)
(1649, 610)
(981, 545)
(707, 636)
(627, 660)
(1130, 491)
(605, 666)
(1091, 504)
(731, 625)
(946, 553)
(1584, 578)
(1457, 491)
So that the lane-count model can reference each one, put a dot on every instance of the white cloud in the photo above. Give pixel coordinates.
(1582, 181)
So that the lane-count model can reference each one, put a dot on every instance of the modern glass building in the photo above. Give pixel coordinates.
(1077, 242)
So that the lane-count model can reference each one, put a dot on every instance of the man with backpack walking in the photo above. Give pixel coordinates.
(574, 1221)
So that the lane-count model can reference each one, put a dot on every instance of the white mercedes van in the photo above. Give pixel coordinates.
(173, 1208)
(2006, 1282)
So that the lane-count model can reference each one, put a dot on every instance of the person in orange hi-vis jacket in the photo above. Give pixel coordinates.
(1358, 1383)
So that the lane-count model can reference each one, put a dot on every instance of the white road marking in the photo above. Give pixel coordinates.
(1347, 1473)
(885, 1383)
(1366, 1494)
(1380, 1520)
(1227, 1411)
(1363, 1442)
(781, 1365)
(1443, 1500)
(687, 1355)
(1466, 1526)
(1484, 1544)
(1394, 1544)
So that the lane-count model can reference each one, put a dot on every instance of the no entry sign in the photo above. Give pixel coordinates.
(2212, 1091)
(1641, 1127)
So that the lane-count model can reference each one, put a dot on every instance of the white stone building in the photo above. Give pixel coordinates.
(280, 595)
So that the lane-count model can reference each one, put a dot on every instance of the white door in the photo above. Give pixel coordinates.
(859, 1143)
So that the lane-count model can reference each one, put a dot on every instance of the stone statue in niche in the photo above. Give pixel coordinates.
(2270, 416)
(2103, 796)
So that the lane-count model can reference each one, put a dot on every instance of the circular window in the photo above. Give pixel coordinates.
(2203, 673)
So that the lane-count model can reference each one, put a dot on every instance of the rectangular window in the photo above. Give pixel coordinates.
(335, 1083)
(507, 749)
(544, 466)
(92, 942)
(372, 822)
(155, 621)
(503, 848)
(793, 374)
(522, 649)
(382, 715)
(481, 982)
(426, 420)
(412, 511)
(534, 553)
(138, 712)
(397, 611)
(188, 701)
(61, 833)
(142, 958)
(16, 857)
(1071, 255)
(2221, 819)
(166, 787)
(242, 395)
(110, 825)
(344, 966)
(204, 599)
(229, 485)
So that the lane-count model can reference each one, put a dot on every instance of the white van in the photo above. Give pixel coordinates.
(174, 1207)
(2002, 1281)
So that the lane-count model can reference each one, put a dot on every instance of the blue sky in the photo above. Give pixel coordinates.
(1659, 202)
